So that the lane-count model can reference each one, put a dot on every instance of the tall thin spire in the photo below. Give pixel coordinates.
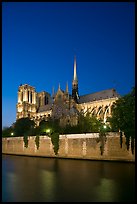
(75, 94)
(59, 87)
(67, 87)
(75, 72)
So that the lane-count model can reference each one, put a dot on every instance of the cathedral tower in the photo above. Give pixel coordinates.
(26, 105)
(75, 94)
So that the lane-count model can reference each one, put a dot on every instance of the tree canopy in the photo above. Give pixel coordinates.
(23, 126)
(123, 115)
(7, 131)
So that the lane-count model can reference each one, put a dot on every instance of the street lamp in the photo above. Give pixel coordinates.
(48, 131)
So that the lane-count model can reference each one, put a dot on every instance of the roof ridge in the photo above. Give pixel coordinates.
(98, 92)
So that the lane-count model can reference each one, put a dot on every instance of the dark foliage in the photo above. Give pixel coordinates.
(123, 117)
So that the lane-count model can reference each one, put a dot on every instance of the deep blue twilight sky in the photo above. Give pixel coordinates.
(40, 39)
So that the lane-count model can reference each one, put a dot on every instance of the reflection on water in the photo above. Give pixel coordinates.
(47, 179)
(106, 190)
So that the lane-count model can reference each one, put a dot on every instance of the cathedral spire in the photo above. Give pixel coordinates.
(59, 87)
(75, 73)
(75, 94)
(67, 87)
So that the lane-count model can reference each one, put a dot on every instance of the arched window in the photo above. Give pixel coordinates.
(45, 102)
(21, 96)
(31, 97)
(39, 101)
(28, 96)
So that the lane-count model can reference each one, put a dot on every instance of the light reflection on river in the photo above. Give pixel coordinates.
(35, 179)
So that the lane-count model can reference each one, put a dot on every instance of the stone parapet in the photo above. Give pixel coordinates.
(77, 146)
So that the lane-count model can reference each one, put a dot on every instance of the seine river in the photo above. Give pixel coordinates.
(36, 179)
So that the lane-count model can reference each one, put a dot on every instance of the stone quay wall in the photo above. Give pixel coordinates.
(75, 146)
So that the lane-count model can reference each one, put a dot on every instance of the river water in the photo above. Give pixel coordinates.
(36, 179)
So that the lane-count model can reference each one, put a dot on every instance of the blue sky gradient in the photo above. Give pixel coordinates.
(40, 39)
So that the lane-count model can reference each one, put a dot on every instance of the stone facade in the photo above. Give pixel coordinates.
(62, 105)
(78, 146)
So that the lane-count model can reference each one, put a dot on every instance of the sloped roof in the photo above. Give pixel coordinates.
(45, 108)
(109, 93)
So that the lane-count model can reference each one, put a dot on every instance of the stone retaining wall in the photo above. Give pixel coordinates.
(78, 146)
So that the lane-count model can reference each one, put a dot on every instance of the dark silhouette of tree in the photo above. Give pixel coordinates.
(23, 126)
(6, 132)
(123, 117)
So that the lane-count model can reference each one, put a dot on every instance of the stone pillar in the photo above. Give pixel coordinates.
(34, 97)
(43, 98)
(19, 96)
(84, 148)
(29, 96)
(51, 147)
(22, 96)
(23, 144)
(105, 114)
(25, 96)
(110, 109)
(66, 146)
(35, 147)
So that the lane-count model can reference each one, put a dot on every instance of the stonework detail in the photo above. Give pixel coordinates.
(84, 148)
(66, 146)
(79, 146)
(62, 105)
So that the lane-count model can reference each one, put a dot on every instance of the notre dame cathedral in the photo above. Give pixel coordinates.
(62, 105)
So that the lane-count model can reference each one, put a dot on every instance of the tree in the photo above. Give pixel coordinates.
(123, 117)
(6, 132)
(88, 123)
(51, 125)
(23, 126)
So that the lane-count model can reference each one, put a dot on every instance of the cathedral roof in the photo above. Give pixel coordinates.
(45, 108)
(109, 93)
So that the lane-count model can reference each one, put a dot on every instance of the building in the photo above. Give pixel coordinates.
(62, 105)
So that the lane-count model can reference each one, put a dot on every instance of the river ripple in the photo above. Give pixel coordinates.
(35, 179)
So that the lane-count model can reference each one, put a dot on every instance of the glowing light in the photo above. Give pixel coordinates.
(105, 126)
(12, 133)
(47, 130)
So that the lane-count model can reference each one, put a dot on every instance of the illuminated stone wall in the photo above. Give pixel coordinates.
(26, 106)
(78, 146)
(29, 102)
(101, 108)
